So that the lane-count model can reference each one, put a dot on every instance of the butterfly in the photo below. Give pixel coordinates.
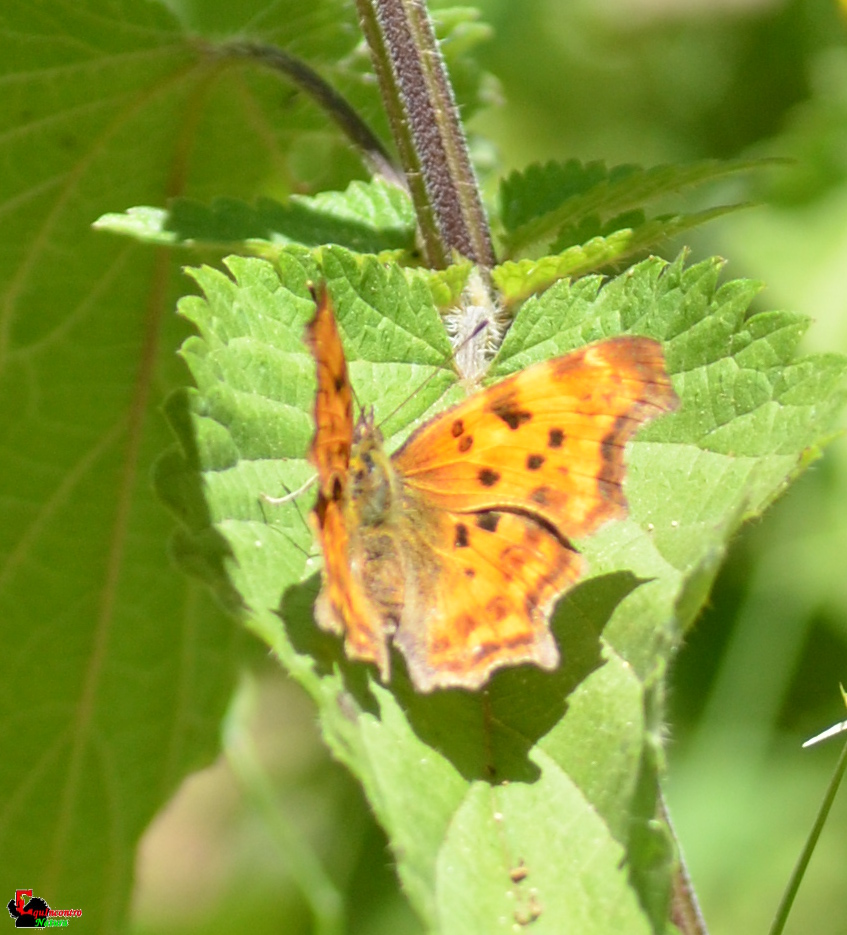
(455, 548)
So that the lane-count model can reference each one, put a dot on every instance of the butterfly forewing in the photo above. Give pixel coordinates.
(549, 440)
(343, 606)
(333, 438)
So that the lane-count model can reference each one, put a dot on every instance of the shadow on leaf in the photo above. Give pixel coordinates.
(196, 546)
(227, 220)
(487, 735)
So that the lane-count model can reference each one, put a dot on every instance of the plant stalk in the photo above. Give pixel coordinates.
(685, 909)
(425, 124)
(374, 154)
(785, 904)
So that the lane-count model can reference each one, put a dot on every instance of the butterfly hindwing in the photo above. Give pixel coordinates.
(499, 576)
(343, 606)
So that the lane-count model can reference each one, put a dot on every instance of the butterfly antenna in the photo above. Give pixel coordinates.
(481, 326)
(290, 497)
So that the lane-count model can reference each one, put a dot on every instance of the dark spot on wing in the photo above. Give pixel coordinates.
(461, 540)
(340, 383)
(498, 607)
(470, 573)
(488, 521)
(487, 477)
(555, 438)
(540, 496)
(512, 560)
(505, 407)
(563, 366)
(531, 533)
(465, 443)
(534, 462)
(457, 428)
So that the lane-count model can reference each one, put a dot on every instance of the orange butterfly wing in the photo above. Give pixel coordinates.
(500, 575)
(549, 440)
(459, 545)
(333, 439)
(343, 606)
(515, 471)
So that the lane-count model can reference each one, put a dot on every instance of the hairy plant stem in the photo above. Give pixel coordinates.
(425, 125)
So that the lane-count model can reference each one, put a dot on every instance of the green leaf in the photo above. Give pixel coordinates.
(540, 189)
(534, 799)
(369, 217)
(565, 204)
(118, 667)
(518, 280)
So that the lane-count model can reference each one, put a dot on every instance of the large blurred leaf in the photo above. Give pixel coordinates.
(117, 668)
(534, 799)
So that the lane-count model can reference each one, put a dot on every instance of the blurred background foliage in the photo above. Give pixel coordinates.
(644, 81)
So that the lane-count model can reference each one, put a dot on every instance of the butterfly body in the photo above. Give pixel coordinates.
(388, 551)
(457, 547)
